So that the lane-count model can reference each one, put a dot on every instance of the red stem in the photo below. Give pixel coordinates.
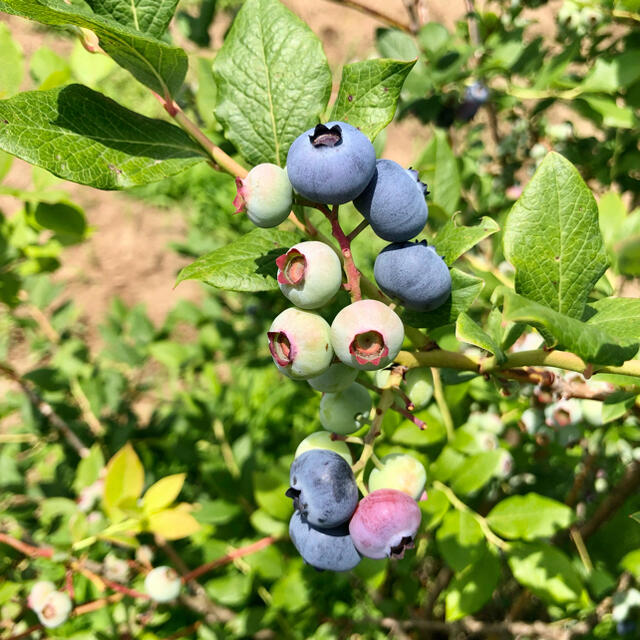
(26, 549)
(409, 416)
(232, 555)
(350, 269)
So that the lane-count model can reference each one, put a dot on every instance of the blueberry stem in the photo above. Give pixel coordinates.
(438, 394)
(456, 503)
(385, 403)
(361, 227)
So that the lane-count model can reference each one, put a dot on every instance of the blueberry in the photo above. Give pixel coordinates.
(367, 334)
(162, 584)
(625, 627)
(323, 488)
(418, 385)
(345, 411)
(475, 96)
(55, 610)
(414, 274)
(323, 440)
(265, 194)
(336, 378)
(300, 344)
(399, 471)
(309, 274)
(394, 202)
(330, 549)
(384, 524)
(331, 164)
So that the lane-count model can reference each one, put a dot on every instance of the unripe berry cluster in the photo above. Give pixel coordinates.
(330, 165)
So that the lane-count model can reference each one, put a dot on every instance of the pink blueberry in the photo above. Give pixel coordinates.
(384, 524)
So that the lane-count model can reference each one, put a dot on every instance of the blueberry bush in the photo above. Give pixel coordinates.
(408, 403)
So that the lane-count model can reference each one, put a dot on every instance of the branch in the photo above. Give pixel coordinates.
(229, 557)
(46, 410)
(515, 629)
(358, 5)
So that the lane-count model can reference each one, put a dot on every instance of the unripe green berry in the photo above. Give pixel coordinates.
(162, 584)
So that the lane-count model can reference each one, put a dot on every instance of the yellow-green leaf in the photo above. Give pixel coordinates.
(173, 523)
(124, 479)
(162, 493)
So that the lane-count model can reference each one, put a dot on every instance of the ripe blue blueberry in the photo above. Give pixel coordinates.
(323, 488)
(309, 274)
(414, 274)
(384, 524)
(162, 584)
(331, 163)
(394, 202)
(300, 344)
(475, 96)
(336, 378)
(367, 334)
(323, 440)
(265, 194)
(330, 549)
(345, 411)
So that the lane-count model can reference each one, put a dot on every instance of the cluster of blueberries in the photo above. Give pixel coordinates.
(330, 165)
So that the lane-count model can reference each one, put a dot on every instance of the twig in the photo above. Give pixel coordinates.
(472, 23)
(379, 15)
(515, 629)
(441, 401)
(229, 557)
(26, 549)
(421, 424)
(414, 15)
(361, 227)
(46, 410)
(440, 583)
(85, 407)
(579, 480)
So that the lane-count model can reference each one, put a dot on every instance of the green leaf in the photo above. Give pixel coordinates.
(433, 509)
(248, 264)
(476, 471)
(619, 317)
(545, 570)
(273, 81)
(124, 479)
(369, 93)
(590, 342)
(528, 517)
(439, 169)
(465, 289)
(636, 516)
(453, 240)
(173, 524)
(82, 136)
(552, 238)
(610, 113)
(89, 469)
(230, 590)
(269, 489)
(628, 255)
(471, 332)
(12, 68)
(64, 218)
(472, 587)
(611, 215)
(148, 16)
(162, 493)
(156, 64)
(460, 540)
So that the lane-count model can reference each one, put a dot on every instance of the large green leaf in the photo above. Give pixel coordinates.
(472, 587)
(476, 471)
(529, 517)
(545, 570)
(248, 264)
(587, 340)
(552, 238)
(465, 289)
(467, 330)
(12, 63)
(453, 239)
(82, 136)
(369, 93)
(619, 317)
(439, 168)
(273, 81)
(156, 64)
(460, 540)
(148, 16)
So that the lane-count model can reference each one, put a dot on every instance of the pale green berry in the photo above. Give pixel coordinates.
(162, 584)
(345, 411)
(322, 440)
(418, 386)
(336, 378)
(401, 472)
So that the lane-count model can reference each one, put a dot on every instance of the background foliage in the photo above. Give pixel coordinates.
(532, 478)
